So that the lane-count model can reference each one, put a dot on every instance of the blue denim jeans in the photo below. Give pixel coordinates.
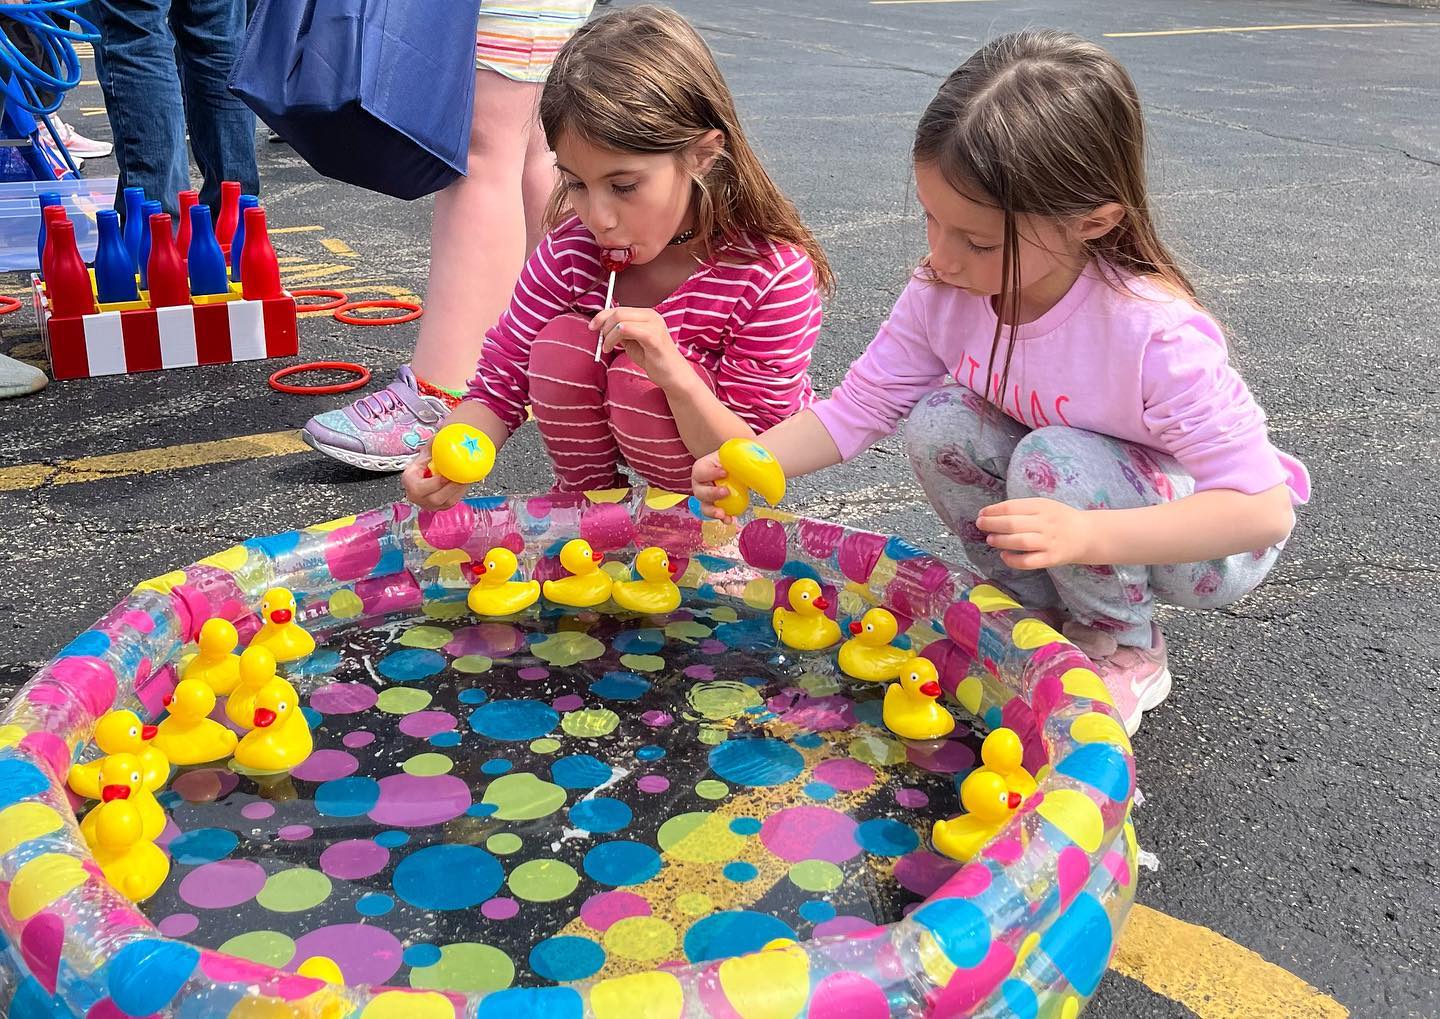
(162, 65)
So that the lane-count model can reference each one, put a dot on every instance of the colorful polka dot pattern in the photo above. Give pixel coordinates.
(1070, 875)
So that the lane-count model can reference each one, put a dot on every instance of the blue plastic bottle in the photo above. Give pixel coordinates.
(237, 245)
(114, 268)
(207, 262)
(152, 208)
(134, 213)
(47, 198)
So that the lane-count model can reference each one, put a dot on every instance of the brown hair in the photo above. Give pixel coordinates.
(1045, 123)
(642, 80)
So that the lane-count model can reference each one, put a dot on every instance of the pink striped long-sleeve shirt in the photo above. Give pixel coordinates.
(750, 316)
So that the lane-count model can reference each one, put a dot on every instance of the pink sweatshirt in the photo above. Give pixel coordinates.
(750, 317)
(1142, 366)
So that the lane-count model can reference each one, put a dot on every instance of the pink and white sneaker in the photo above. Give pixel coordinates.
(1138, 678)
(380, 432)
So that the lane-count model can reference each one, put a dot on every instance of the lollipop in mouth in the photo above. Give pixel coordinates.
(614, 261)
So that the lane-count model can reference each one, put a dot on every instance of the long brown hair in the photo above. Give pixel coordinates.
(642, 80)
(1045, 123)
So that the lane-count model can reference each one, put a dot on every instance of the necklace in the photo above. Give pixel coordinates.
(682, 238)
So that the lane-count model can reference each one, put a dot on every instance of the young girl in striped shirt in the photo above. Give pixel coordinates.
(711, 327)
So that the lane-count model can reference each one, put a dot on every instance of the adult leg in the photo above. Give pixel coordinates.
(961, 448)
(142, 96)
(479, 233)
(568, 399)
(479, 236)
(208, 34)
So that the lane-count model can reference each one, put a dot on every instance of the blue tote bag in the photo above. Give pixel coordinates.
(376, 93)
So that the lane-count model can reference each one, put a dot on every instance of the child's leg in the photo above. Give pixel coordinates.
(1090, 471)
(644, 426)
(567, 397)
(961, 450)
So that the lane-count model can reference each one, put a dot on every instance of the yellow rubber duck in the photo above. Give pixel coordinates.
(188, 735)
(912, 709)
(123, 778)
(807, 627)
(281, 635)
(216, 664)
(495, 594)
(748, 466)
(257, 668)
(1002, 753)
(989, 804)
(587, 585)
(321, 967)
(281, 738)
(655, 593)
(868, 654)
(133, 864)
(121, 732)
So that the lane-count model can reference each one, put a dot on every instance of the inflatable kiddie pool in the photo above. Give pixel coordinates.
(576, 813)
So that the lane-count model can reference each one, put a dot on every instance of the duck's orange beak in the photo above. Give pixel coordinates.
(480, 569)
(930, 689)
(1012, 801)
(855, 627)
(822, 603)
(597, 559)
(149, 731)
(264, 717)
(115, 792)
(167, 699)
(280, 616)
(670, 567)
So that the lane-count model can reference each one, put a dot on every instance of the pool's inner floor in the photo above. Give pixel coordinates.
(567, 795)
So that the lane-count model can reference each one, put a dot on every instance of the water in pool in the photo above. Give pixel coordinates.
(492, 804)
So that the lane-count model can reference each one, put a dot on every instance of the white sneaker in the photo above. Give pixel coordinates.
(79, 145)
(52, 153)
(19, 379)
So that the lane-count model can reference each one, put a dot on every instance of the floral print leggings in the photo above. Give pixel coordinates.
(968, 455)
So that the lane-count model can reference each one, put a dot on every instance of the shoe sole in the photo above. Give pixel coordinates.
(1153, 698)
(365, 461)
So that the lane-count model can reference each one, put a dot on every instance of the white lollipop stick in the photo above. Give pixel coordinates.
(609, 294)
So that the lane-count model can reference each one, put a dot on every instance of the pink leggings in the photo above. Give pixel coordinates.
(591, 415)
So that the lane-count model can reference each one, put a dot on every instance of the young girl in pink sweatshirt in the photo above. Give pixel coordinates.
(1070, 409)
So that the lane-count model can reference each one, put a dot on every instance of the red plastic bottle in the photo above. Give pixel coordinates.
(169, 287)
(229, 219)
(68, 284)
(182, 242)
(53, 214)
(259, 268)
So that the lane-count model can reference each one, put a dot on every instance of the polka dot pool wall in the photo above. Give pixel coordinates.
(1027, 929)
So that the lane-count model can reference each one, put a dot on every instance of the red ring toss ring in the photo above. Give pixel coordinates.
(362, 378)
(334, 299)
(345, 314)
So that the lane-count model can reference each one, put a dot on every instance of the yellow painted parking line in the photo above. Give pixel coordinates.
(293, 229)
(1211, 975)
(1276, 28)
(152, 461)
(336, 246)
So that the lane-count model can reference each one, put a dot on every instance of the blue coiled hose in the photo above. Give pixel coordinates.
(21, 81)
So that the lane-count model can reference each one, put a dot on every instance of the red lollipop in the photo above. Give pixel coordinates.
(613, 261)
